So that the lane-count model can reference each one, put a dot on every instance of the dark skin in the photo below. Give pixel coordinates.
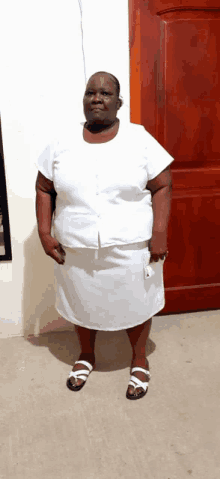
(101, 126)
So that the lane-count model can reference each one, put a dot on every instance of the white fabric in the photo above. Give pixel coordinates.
(101, 188)
(109, 292)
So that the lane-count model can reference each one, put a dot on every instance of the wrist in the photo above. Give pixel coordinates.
(43, 234)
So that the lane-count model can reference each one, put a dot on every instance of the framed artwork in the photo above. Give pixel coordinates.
(5, 239)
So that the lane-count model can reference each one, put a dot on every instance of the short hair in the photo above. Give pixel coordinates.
(114, 79)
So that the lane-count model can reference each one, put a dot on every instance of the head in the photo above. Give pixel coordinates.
(102, 92)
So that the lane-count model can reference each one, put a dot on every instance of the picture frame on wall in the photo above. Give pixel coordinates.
(5, 239)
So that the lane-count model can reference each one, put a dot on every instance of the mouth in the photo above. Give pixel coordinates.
(96, 109)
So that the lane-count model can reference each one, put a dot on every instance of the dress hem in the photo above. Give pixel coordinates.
(120, 329)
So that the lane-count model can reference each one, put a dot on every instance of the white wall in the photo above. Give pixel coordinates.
(41, 89)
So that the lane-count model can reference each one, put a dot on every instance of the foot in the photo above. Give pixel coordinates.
(83, 357)
(141, 363)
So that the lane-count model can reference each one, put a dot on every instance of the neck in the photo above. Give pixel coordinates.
(98, 128)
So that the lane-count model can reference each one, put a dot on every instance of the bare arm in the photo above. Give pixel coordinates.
(44, 211)
(44, 191)
(161, 190)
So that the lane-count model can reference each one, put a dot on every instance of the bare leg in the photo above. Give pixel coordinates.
(138, 337)
(87, 342)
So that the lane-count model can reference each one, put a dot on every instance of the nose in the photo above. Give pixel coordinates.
(97, 98)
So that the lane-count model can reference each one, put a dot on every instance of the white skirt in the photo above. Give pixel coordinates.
(109, 289)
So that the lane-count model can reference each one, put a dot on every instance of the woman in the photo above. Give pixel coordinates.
(113, 187)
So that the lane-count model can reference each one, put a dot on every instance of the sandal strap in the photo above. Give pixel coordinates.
(80, 374)
(135, 382)
(85, 363)
(142, 370)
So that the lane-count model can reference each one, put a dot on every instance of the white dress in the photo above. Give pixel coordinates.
(104, 220)
(105, 283)
(109, 289)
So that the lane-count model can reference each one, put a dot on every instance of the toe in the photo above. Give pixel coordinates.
(134, 391)
(138, 391)
(131, 390)
(76, 382)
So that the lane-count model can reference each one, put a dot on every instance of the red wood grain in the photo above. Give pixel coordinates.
(135, 60)
(179, 70)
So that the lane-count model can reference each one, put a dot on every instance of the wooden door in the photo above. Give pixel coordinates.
(175, 94)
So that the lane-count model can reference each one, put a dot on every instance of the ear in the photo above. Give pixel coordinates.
(119, 103)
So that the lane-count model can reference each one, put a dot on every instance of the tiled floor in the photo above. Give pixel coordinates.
(49, 432)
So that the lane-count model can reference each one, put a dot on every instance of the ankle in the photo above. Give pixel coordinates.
(138, 356)
(87, 355)
(139, 361)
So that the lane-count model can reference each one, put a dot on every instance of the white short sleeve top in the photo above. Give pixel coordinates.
(101, 188)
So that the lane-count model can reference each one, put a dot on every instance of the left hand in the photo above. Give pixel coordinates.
(158, 247)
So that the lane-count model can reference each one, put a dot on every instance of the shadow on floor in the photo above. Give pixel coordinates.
(112, 349)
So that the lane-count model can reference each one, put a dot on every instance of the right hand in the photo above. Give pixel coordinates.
(53, 248)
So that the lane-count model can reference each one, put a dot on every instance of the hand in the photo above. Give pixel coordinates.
(158, 247)
(53, 248)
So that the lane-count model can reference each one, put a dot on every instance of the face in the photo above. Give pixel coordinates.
(100, 100)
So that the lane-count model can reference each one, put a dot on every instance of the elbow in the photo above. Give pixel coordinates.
(166, 189)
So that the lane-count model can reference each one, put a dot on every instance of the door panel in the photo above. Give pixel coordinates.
(191, 85)
(178, 102)
(159, 6)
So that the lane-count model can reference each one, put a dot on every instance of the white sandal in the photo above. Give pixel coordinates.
(137, 383)
(80, 374)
